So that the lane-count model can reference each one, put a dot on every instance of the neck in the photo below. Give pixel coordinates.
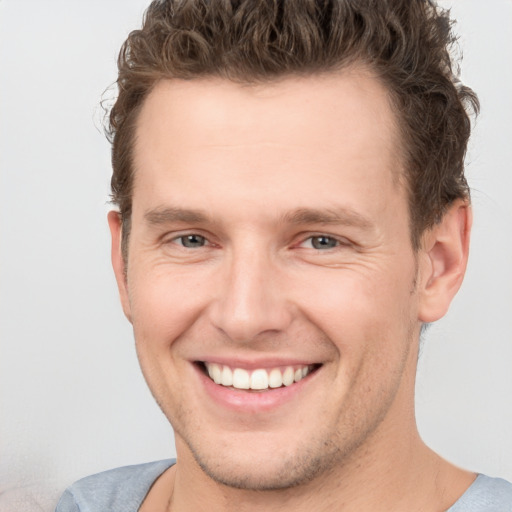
(408, 477)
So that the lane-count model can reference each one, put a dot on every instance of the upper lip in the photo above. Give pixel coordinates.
(254, 364)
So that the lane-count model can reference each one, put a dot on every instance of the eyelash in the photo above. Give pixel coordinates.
(202, 239)
(335, 241)
(188, 236)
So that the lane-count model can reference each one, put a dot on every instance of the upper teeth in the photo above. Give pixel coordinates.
(257, 379)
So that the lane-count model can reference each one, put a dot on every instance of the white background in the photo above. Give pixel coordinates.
(72, 399)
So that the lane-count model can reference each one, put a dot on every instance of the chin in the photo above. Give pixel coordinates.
(269, 468)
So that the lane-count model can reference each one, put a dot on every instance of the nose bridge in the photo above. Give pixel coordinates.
(250, 300)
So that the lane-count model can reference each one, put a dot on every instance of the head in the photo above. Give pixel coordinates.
(292, 206)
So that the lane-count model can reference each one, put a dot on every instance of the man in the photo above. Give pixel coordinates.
(292, 212)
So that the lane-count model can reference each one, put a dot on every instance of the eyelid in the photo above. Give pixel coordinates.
(202, 239)
(173, 237)
(176, 235)
(340, 240)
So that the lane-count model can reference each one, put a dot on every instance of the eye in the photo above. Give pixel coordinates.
(322, 242)
(191, 241)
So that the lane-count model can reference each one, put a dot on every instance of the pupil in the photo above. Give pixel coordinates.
(193, 241)
(323, 242)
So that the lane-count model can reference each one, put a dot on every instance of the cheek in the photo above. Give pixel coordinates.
(360, 309)
(352, 291)
(164, 304)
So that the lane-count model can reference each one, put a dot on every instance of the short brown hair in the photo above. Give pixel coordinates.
(406, 43)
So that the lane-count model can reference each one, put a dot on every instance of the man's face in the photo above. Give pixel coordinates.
(270, 241)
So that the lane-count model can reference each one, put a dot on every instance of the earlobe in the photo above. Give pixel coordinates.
(118, 263)
(443, 265)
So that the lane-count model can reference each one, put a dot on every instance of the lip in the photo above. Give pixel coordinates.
(267, 364)
(249, 401)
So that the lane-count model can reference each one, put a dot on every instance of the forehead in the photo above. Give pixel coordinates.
(334, 135)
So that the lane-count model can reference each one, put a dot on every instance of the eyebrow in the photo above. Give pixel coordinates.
(158, 216)
(343, 216)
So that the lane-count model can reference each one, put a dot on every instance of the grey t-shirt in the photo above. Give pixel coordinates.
(124, 490)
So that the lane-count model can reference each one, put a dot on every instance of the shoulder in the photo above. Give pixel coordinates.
(486, 494)
(117, 490)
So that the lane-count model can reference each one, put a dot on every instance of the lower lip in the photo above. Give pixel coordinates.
(252, 401)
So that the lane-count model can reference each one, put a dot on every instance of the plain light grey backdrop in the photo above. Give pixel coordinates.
(72, 398)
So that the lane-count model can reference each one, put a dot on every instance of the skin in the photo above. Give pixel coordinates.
(271, 168)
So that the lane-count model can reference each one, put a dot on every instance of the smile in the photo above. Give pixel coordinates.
(258, 379)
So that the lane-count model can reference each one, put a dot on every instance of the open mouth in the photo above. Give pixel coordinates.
(259, 379)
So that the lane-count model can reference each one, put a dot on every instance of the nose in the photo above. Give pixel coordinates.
(251, 299)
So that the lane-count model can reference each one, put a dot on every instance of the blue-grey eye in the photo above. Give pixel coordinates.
(323, 242)
(192, 241)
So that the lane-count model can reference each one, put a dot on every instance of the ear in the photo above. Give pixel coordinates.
(443, 263)
(118, 263)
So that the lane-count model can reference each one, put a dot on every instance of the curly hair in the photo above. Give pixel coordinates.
(406, 43)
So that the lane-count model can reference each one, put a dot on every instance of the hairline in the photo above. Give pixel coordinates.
(401, 176)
